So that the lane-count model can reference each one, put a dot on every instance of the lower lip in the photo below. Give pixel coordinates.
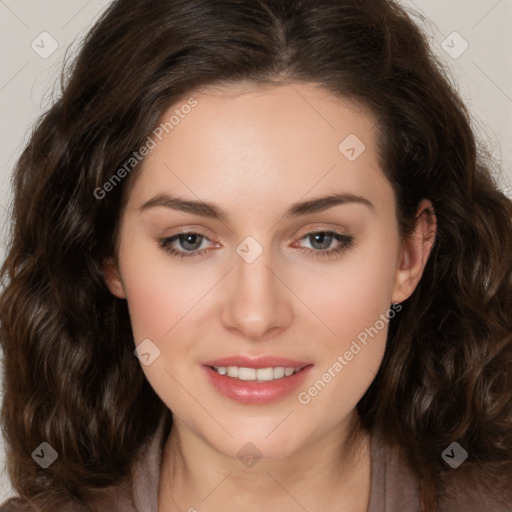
(254, 392)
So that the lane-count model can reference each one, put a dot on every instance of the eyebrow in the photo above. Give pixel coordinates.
(210, 210)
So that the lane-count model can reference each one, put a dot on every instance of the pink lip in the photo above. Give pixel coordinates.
(257, 362)
(254, 392)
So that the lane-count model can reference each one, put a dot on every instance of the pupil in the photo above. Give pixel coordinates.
(186, 239)
(322, 238)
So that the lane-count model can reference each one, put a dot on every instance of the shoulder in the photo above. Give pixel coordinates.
(14, 505)
(117, 499)
(472, 490)
(139, 492)
(395, 485)
(18, 504)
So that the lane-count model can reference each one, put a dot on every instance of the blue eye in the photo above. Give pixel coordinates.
(191, 242)
(324, 240)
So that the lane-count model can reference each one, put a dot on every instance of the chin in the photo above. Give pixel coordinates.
(260, 442)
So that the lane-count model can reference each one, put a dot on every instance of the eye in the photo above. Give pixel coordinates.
(322, 241)
(191, 244)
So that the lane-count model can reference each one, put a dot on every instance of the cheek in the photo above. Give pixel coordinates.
(161, 297)
(159, 293)
(354, 303)
(351, 295)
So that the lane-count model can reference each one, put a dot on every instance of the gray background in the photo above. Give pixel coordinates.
(29, 82)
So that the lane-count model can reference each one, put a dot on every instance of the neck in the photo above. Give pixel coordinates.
(330, 473)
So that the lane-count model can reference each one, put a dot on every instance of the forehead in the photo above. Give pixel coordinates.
(262, 142)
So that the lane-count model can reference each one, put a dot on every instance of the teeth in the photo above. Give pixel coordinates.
(259, 374)
(232, 371)
(278, 372)
(247, 373)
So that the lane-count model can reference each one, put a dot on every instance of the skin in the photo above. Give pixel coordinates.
(254, 151)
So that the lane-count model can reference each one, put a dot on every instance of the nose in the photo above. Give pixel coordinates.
(258, 303)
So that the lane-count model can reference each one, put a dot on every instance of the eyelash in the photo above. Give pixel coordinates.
(345, 243)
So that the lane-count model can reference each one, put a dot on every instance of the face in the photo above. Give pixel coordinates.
(292, 265)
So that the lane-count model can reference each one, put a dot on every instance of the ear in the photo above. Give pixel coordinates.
(415, 252)
(113, 278)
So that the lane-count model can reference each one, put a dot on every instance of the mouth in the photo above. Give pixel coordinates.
(256, 381)
(256, 374)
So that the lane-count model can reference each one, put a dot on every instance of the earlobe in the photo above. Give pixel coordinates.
(113, 278)
(415, 251)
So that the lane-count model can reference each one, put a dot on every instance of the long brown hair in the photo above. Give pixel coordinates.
(70, 375)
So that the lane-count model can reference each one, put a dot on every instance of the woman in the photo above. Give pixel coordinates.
(257, 261)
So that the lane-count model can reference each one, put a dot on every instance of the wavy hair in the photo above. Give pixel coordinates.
(70, 375)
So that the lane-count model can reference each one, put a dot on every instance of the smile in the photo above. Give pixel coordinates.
(259, 385)
(256, 374)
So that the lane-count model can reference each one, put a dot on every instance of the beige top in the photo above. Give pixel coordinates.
(393, 486)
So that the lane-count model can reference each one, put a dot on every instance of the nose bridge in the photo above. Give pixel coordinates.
(257, 302)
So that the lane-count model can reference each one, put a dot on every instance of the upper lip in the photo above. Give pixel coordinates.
(257, 362)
